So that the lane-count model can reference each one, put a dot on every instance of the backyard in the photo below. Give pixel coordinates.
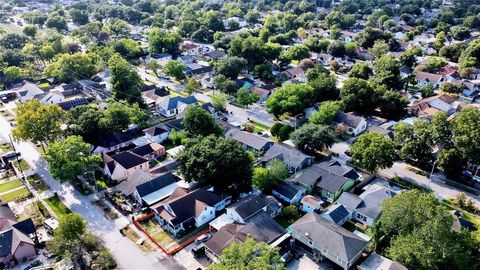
(36, 211)
(6, 186)
(18, 194)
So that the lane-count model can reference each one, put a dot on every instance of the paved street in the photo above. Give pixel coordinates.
(400, 169)
(126, 253)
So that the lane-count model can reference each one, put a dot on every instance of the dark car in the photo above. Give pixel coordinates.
(198, 250)
(11, 155)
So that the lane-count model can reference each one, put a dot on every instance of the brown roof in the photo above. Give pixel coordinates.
(430, 77)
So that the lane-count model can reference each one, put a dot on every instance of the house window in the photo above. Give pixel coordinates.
(211, 212)
(324, 251)
(310, 242)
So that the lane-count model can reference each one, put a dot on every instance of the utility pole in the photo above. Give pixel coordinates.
(16, 157)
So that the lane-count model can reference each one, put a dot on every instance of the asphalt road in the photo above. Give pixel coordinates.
(125, 252)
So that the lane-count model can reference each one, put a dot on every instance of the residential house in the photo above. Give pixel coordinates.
(239, 21)
(27, 91)
(310, 203)
(376, 261)
(261, 227)
(425, 78)
(244, 209)
(325, 59)
(155, 190)
(192, 49)
(51, 97)
(159, 57)
(150, 151)
(430, 106)
(470, 91)
(121, 165)
(16, 244)
(288, 192)
(215, 55)
(367, 207)
(295, 159)
(249, 140)
(196, 69)
(311, 110)
(186, 59)
(335, 178)
(111, 141)
(324, 239)
(150, 96)
(170, 106)
(295, 74)
(262, 93)
(184, 210)
(351, 123)
(156, 134)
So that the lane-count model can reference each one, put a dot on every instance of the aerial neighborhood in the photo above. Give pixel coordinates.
(228, 134)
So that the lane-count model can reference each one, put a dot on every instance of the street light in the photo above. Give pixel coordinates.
(431, 173)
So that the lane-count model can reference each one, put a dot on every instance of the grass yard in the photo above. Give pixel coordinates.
(57, 206)
(37, 183)
(6, 147)
(6, 186)
(145, 246)
(23, 165)
(36, 211)
(160, 236)
(16, 195)
(11, 28)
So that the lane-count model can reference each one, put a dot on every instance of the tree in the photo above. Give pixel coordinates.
(387, 73)
(248, 255)
(409, 57)
(219, 101)
(47, 52)
(12, 74)
(84, 120)
(324, 87)
(297, 52)
(451, 162)
(403, 232)
(13, 41)
(79, 17)
(69, 67)
(192, 86)
(326, 113)
(37, 122)
(153, 65)
(30, 30)
(218, 161)
(373, 151)
(442, 130)
(290, 98)
(379, 48)
(416, 141)
(223, 84)
(161, 41)
(230, 66)
(57, 22)
(245, 98)
(174, 69)
(361, 70)
(74, 243)
(313, 138)
(465, 131)
(281, 131)
(127, 48)
(266, 178)
(393, 105)
(126, 83)
(198, 122)
(427, 91)
(367, 37)
(451, 88)
(358, 95)
(69, 158)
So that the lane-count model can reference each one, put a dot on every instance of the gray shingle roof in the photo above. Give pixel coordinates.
(252, 140)
(337, 240)
(336, 213)
(250, 206)
(287, 189)
(289, 155)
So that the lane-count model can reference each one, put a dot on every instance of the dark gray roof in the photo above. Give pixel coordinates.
(143, 150)
(287, 189)
(252, 140)
(252, 205)
(113, 138)
(6, 212)
(261, 227)
(372, 199)
(348, 119)
(25, 226)
(349, 200)
(337, 213)
(128, 159)
(175, 124)
(155, 184)
(331, 182)
(337, 240)
(307, 177)
(6, 243)
(172, 102)
(68, 105)
(333, 166)
(288, 154)
(154, 131)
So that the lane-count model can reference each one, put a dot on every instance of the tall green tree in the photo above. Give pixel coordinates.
(387, 73)
(245, 98)
(174, 69)
(373, 151)
(161, 41)
(326, 113)
(218, 161)
(465, 133)
(416, 141)
(70, 157)
(198, 122)
(266, 178)
(37, 122)
(126, 83)
(359, 96)
(313, 138)
(69, 67)
(290, 98)
(230, 66)
(248, 255)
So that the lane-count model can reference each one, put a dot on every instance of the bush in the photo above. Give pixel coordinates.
(291, 213)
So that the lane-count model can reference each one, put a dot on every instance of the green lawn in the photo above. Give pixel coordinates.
(16, 195)
(37, 183)
(11, 28)
(5, 147)
(23, 165)
(10, 185)
(57, 206)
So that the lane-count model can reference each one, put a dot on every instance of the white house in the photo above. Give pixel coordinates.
(353, 124)
(424, 78)
(171, 106)
(28, 91)
(156, 134)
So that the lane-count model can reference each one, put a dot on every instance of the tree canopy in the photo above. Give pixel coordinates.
(313, 138)
(373, 151)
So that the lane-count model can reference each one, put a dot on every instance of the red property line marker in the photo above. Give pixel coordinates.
(168, 253)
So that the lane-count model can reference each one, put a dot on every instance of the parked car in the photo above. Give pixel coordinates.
(203, 238)
(33, 264)
(287, 257)
(11, 155)
(198, 250)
